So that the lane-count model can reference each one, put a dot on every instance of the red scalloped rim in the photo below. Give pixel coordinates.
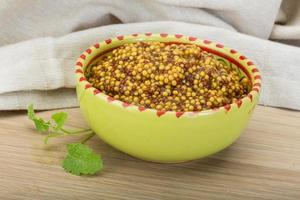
(82, 79)
(89, 51)
(239, 103)
(179, 114)
(233, 51)
(227, 107)
(257, 77)
(206, 41)
(79, 64)
(82, 56)
(141, 108)
(96, 91)
(219, 45)
(79, 71)
(242, 57)
(87, 86)
(125, 104)
(120, 37)
(256, 85)
(160, 113)
(249, 63)
(192, 38)
(250, 97)
(178, 36)
(108, 41)
(110, 99)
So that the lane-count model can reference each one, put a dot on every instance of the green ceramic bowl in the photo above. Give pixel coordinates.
(165, 136)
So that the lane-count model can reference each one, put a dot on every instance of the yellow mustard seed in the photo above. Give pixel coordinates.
(144, 72)
(174, 83)
(177, 77)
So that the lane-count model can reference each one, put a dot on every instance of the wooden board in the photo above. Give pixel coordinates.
(263, 164)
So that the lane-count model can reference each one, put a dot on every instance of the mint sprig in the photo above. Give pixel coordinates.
(80, 159)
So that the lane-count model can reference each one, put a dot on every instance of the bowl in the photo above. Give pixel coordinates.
(159, 136)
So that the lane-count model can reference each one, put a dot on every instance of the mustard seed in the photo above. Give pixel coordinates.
(175, 77)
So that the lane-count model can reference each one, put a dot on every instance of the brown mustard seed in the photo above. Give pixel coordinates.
(171, 77)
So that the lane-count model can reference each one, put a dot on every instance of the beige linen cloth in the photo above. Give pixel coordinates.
(40, 41)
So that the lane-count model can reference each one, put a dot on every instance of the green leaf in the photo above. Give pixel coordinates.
(82, 160)
(30, 112)
(60, 119)
(40, 124)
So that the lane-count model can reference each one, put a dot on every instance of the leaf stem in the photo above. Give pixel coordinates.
(74, 131)
(89, 136)
(55, 134)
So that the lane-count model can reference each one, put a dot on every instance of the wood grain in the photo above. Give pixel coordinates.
(263, 164)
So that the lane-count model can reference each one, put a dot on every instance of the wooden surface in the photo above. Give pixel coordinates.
(263, 164)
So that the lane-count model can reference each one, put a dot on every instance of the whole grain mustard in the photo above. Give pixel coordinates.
(170, 77)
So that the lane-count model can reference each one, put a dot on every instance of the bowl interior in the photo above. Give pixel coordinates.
(231, 57)
(242, 72)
